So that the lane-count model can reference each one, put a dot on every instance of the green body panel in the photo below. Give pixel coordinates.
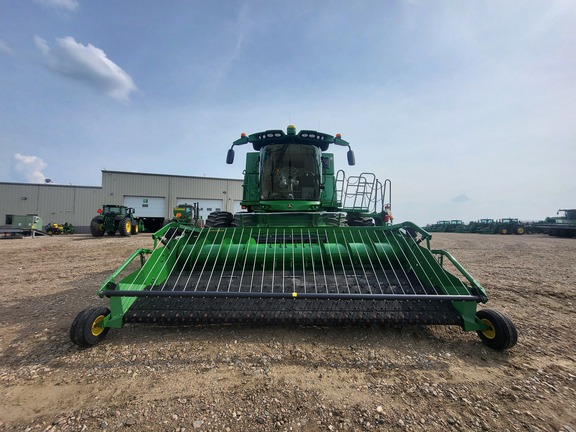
(288, 206)
(251, 186)
(217, 246)
(328, 197)
(291, 219)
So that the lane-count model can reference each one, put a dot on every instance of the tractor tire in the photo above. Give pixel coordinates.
(125, 227)
(87, 329)
(246, 220)
(519, 230)
(504, 231)
(501, 333)
(360, 221)
(135, 228)
(96, 227)
(219, 219)
(236, 222)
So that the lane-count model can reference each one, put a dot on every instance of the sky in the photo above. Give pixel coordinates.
(468, 107)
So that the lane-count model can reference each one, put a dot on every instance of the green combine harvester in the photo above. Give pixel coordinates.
(312, 247)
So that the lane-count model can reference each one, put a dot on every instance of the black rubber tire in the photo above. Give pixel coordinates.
(504, 231)
(219, 219)
(173, 233)
(125, 227)
(85, 331)
(96, 227)
(519, 230)
(244, 219)
(502, 333)
(135, 228)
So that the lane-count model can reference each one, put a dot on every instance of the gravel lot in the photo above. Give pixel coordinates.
(286, 378)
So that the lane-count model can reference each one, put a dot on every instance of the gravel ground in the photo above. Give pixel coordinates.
(286, 378)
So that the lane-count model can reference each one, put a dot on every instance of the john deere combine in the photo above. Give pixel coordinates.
(313, 246)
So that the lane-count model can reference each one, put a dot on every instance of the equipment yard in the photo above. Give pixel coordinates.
(286, 377)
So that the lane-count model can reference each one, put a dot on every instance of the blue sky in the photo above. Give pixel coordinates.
(469, 107)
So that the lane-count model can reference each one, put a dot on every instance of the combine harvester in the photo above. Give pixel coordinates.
(312, 247)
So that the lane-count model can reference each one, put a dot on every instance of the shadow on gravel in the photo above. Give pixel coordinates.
(42, 324)
(205, 347)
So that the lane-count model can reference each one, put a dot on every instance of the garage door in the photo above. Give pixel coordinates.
(207, 206)
(146, 206)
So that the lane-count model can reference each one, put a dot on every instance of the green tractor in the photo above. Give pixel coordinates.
(313, 246)
(440, 226)
(510, 226)
(455, 225)
(114, 219)
(483, 226)
(187, 214)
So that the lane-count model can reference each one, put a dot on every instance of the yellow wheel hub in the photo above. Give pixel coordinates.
(490, 332)
(97, 327)
(128, 226)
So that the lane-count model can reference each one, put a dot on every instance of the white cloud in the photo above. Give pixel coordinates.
(4, 47)
(70, 5)
(88, 64)
(29, 168)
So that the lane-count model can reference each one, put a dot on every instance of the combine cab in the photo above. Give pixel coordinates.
(114, 219)
(312, 247)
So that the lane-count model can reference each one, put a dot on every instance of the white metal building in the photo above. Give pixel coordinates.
(153, 197)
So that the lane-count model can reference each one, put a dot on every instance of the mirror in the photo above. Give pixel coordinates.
(230, 157)
(351, 158)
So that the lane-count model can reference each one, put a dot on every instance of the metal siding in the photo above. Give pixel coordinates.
(78, 204)
(88, 201)
(118, 185)
(18, 199)
(53, 203)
